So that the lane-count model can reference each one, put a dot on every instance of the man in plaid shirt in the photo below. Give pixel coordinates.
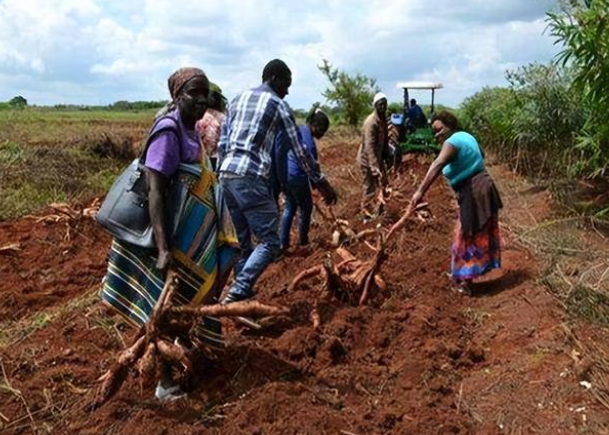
(253, 119)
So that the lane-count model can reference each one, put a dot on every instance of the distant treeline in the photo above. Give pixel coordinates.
(20, 102)
(129, 106)
(336, 113)
(136, 105)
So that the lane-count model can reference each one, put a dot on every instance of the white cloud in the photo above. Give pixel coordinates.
(99, 51)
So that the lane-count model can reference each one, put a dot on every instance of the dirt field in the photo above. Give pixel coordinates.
(418, 359)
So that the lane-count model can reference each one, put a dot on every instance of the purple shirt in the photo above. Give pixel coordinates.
(166, 152)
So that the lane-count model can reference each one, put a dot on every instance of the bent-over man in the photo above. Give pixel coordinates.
(371, 152)
(253, 119)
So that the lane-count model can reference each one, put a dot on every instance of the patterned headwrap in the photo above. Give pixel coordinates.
(179, 78)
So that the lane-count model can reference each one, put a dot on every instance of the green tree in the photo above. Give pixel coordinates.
(18, 102)
(351, 93)
(395, 107)
(121, 105)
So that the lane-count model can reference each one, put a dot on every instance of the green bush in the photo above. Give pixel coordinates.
(18, 102)
(351, 93)
(533, 123)
(551, 118)
(395, 107)
(489, 114)
(581, 26)
(548, 117)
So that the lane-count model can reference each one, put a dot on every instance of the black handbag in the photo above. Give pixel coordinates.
(124, 212)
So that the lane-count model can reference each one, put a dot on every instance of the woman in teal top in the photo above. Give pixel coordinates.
(476, 248)
(469, 160)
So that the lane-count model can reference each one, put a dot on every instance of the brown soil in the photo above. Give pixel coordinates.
(56, 261)
(418, 359)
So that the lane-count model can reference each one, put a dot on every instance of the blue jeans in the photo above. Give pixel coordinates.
(254, 212)
(298, 197)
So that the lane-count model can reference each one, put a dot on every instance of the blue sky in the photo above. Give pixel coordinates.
(101, 51)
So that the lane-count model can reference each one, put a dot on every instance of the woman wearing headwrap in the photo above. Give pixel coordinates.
(476, 248)
(189, 89)
(200, 247)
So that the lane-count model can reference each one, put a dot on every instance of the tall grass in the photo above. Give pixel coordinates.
(40, 126)
(531, 124)
(551, 119)
(581, 26)
(63, 155)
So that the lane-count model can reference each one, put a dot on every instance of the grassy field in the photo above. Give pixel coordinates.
(50, 155)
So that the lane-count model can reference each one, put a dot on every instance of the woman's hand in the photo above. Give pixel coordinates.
(447, 154)
(157, 184)
(416, 199)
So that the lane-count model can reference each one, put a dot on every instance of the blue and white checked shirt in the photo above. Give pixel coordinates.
(252, 120)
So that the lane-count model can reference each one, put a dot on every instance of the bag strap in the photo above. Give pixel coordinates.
(154, 131)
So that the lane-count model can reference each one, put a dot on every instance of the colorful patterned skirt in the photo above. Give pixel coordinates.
(204, 249)
(475, 256)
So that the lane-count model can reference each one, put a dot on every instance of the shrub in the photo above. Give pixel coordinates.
(581, 26)
(352, 93)
(18, 102)
(395, 107)
(551, 118)
(533, 123)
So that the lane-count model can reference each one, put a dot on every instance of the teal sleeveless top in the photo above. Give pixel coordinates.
(469, 160)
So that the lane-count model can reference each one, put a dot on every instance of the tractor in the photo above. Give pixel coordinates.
(415, 135)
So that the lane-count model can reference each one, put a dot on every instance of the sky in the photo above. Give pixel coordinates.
(101, 51)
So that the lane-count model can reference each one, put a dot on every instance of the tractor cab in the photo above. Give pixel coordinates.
(415, 133)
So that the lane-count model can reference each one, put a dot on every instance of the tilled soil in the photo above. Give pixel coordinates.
(53, 263)
(418, 359)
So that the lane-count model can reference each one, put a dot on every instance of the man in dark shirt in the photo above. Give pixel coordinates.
(416, 115)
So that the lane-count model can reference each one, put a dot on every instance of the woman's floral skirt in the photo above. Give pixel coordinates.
(475, 256)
